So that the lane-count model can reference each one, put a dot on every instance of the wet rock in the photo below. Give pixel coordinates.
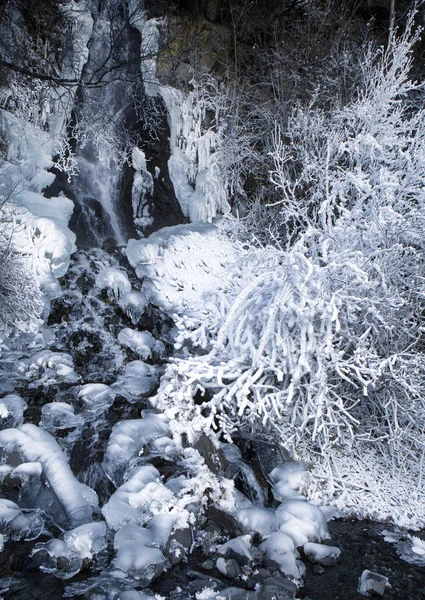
(212, 455)
(277, 588)
(208, 565)
(225, 522)
(372, 584)
(178, 545)
(228, 567)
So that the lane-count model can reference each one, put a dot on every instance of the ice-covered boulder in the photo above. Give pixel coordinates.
(57, 558)
(48, 368)
(139, 379)
(65, 557)
(256, 518)
(139, 562)
(141, 497)
(115, 281)
(35, 445)
(127, 440)
(140, 342)
(302, 521)
(280, 549)
(96, 399)
(12, 409)
(16, 524)
(59, 415)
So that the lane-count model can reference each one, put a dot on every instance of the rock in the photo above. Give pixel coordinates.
(225, 522)
(178, 545)
(321, 554)
(371, 583)
(228, 567)
(233, 593)
(277, 588)
(208, 565)
(318, 570)
(238, 548)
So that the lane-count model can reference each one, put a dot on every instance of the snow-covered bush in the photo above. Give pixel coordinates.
(321, 344)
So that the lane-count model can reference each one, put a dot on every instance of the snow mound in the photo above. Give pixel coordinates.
(280, 548)
(302, 521)
(254, 518)
(178, 265)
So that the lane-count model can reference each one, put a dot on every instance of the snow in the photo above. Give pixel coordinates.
(321, 554)
(180, 264)
(36, 445)
(280, 548)
(288, 479)
(254, 518)
(302, 521)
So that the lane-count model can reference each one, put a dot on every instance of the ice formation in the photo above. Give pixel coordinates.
(35, 445)
(128, 439)
(138, 499)
(140, 342)
(12, 409)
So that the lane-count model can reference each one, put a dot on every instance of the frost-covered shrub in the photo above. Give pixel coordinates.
(322, 344)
